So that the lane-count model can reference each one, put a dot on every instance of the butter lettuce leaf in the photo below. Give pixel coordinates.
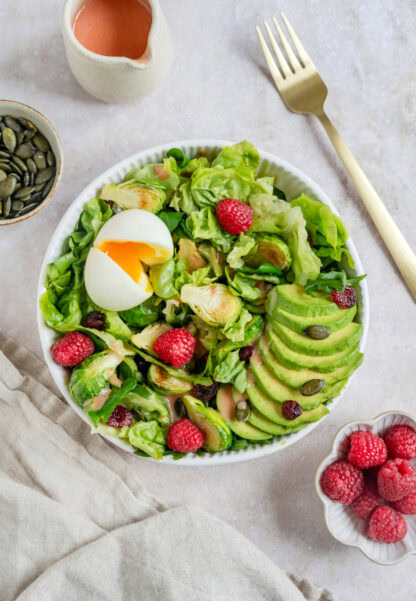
(272, 215)
(240, 249)
(243, 154)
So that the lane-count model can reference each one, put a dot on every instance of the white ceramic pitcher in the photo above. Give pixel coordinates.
(118, 79)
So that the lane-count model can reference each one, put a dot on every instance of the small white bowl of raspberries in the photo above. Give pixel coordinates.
(368, 487)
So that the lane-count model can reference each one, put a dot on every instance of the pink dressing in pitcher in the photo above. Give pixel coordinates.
(113, 27)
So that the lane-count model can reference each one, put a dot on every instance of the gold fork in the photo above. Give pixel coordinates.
(303, 91)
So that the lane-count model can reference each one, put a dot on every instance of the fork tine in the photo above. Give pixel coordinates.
(279, 54)
(274, 70)
(301, 50)
(293, 59)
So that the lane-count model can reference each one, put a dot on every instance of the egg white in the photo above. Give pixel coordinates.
(110, 287)
(136, 225)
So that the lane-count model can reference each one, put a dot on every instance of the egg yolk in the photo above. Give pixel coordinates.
(129, 255)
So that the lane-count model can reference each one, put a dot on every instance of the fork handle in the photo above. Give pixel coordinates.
(400, 250)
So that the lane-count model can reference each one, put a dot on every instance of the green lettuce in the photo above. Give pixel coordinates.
(242, 286)
(204, 225)
(229, 369)
(65, 297)
(144, 314)
(240, 249)
(272, 215)
(235, 331)
(164, 174)
(243, 154)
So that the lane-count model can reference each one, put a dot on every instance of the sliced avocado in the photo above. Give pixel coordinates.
(226, 407)
(133, 194)
(189, 254)
(294, 360)
(273, 411)
(149, 404)
(338, 341)
(162, 382)
(148, 336)
(217, 433)
(269, 249)
(299, 323)
(258, 420)
(277, 391)
(293, 299)
(295, 378)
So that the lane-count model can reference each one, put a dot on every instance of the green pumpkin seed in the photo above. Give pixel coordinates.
(31, 165)
(317, 332)
(3, 175)
(18, 186)
(29, 208)
(7, 187)
(16, 176)
(48, 188)
(26, 179)
(242, 411)
(12, 123)
(44, 175)
(25, 150)
(27, 190)
(36, 197)
(7, 207)
(38, 187)
(50, 159)
(5, 166)
(29, 134)
(17, 205)
(32, 179)
(312, 387)
(19, 137)
(4, 154)
(40, 159)
(19, 163)
(41, 142)
(9, 139)
(16, 169)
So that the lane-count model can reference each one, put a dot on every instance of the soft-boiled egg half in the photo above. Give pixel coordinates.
(115, 277)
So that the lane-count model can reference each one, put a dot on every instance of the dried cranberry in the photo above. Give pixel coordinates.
(291, 409)
(142, 364)
(344, 299)
(205, 393)
(110, 202)
(120, 417)
(95, 320)
(246, 352)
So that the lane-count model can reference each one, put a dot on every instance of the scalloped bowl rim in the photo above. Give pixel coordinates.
(332, 456)
(88, 192)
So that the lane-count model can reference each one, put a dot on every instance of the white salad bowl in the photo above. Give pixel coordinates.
(290, 179)
(341, 522)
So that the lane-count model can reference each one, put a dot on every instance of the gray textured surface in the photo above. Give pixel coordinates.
(218, 88)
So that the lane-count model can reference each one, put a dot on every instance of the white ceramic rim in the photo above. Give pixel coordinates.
(203, 144)
(332, 455)
(66, 25)
(59, 159)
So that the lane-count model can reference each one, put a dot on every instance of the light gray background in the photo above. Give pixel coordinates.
(218, 88)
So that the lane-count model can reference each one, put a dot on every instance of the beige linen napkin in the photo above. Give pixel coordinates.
(76, 524)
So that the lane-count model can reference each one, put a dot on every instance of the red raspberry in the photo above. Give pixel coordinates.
(406, 505)
(344, 298)
(396, 479)
(72, 349)
(401, 441)
(184, 437)
(234, 216)
(386, 525)
(175, 347)
(120, 417)
(364, 505)
(366, 449)
(342, 482)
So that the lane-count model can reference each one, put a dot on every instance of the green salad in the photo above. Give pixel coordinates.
(268, 314)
